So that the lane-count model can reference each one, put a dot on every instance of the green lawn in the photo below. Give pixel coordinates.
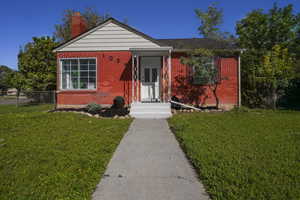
(53, 155)
(243, 155)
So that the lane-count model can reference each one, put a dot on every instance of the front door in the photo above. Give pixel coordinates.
(150, 78)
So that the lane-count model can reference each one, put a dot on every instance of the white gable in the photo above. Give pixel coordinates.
(109, 36)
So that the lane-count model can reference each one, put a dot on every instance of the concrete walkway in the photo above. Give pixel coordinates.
(149, 165)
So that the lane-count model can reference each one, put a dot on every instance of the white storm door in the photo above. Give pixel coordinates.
(150, 73)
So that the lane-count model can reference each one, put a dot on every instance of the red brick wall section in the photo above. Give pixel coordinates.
(113, 79)
(187, 92)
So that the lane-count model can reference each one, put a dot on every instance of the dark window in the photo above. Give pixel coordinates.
(206, 73)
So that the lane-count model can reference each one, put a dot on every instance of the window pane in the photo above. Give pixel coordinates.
(154, 74)
(92, 74)
(92, 67)
(83, 67)
(75, 83)
(64, 80)
(65, 67)
(74, 74)
(92, 83)
(74, 65)
(147, 74)
(74, 62)
(92, 61)
(83, 83)
(66, 62)
(83, 74)
(84, 61)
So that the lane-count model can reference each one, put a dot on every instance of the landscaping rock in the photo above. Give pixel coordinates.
(88, 114)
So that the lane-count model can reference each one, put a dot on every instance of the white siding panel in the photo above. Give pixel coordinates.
(104, 40)
(102, 49)
(109, 44)
(109, 37)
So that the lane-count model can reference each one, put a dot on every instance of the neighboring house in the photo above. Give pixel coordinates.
(113, 59)
(12, 92)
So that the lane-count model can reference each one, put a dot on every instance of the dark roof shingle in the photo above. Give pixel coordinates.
(194, 43)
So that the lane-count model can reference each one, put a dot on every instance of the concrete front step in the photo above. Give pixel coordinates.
(134, 109)
(150, 110)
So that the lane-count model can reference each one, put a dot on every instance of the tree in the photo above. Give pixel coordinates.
(205, 72)
(276, 72)
(16, 80)
(4, 80)
(259, 32)
(37, 64)
(210, 21)
(63, 31)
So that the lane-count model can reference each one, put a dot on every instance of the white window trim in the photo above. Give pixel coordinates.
(77, 58)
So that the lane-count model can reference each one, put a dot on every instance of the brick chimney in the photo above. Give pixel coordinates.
(78, 25)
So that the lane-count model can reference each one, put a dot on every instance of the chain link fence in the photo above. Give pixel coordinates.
(28, 97)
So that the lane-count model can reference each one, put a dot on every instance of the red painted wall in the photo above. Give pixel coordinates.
(184, 89)
(114, 79)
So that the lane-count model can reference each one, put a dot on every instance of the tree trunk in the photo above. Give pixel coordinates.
(214, 90)
(274, 99)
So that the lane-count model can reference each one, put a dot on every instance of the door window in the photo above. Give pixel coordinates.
(154, 75)
(147, 75)
(150, 75)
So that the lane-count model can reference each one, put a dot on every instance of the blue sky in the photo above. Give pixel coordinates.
(21, 20)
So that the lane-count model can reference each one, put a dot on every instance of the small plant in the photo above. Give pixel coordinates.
(93, 108)
(119, 102)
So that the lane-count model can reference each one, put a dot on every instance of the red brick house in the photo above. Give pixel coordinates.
(113, 59)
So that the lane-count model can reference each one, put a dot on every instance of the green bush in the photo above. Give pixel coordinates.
(119, 102)
(93, 108)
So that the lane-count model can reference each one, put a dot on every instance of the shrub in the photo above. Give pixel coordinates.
(93, 108)
(119, 102)
(173, 105)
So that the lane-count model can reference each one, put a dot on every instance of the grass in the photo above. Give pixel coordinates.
(243, 155)
(53, 155)
(8, 97)
(13, 109)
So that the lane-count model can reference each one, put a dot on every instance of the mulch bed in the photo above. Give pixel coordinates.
(104, 112)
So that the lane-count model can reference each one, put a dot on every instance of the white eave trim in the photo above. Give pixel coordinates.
(152, 49)
(158, 51)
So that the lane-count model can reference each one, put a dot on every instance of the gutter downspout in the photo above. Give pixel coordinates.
(239, 75)
(132, 81)
(169, 74)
